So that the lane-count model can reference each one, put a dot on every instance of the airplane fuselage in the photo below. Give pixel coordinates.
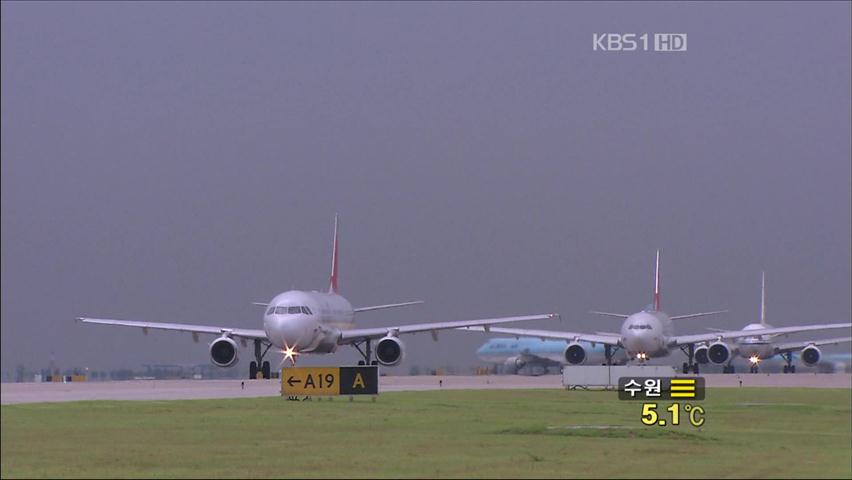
(646, 333)
(534, 350)
(759, 346)
(310, 322)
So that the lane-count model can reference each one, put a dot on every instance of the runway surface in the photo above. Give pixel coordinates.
(199, 389)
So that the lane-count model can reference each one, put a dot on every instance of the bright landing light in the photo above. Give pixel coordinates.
(289, 353)
(754, 359)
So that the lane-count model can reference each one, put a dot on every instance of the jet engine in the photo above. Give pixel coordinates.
(811, 355)
(513, 364)
(701, 354)
(224, 352)
(719, 353)
(575, 354)
(389, 351)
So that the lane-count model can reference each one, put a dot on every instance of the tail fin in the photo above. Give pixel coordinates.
(657, 284)
(332, 287)
(763, 298)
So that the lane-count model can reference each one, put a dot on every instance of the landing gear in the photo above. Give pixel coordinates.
(367, 353)
(753, 369)
(728, 369)
(609, 352)
(690, 364)
(789, 368)
(258, 365)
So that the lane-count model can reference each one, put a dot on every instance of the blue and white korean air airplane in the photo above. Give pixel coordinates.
(300, 322)
(534, 355)
(648, 334)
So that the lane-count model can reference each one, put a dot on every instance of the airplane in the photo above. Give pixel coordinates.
(311, 322)
(828, 363)
(644, 335)
(532, 354)
(757, 348)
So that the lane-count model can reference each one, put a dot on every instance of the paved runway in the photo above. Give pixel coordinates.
(198, 389)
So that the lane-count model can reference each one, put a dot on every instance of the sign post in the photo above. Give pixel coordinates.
(330, 381)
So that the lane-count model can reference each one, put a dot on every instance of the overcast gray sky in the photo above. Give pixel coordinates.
(177, 161)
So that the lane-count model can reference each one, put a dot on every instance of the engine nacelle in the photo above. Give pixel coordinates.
(224, 352)
(389, 351)
(701, 354)
(513, 364)
(575, 354)
(719, 353)
(810, 355)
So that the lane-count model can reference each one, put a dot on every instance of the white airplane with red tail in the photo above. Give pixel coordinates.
(300, 322)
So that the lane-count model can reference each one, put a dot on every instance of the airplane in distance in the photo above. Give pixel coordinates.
(757, 348)
(644, 335)
(311, 322)
(828, 363)
(533, 355)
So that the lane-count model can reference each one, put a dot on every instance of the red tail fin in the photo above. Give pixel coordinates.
(657, 284)
(332, 288)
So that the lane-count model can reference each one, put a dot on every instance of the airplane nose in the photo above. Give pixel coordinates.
(641, 343)
(293, 331)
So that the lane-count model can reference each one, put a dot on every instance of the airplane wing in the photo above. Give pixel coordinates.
(732, 334)
(382, 307)
(359, 334)
(794, 346)
(179, 327)
(543, 334)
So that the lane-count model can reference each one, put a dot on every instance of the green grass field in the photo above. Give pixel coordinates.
(750, 433)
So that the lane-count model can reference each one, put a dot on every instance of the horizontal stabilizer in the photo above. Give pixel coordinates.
(607, 314)
(696, 315)
(390, 305)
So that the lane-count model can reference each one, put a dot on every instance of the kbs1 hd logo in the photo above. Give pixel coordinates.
(634, 42)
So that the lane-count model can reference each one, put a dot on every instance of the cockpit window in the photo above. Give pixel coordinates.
(637, 326)
(291, 310)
